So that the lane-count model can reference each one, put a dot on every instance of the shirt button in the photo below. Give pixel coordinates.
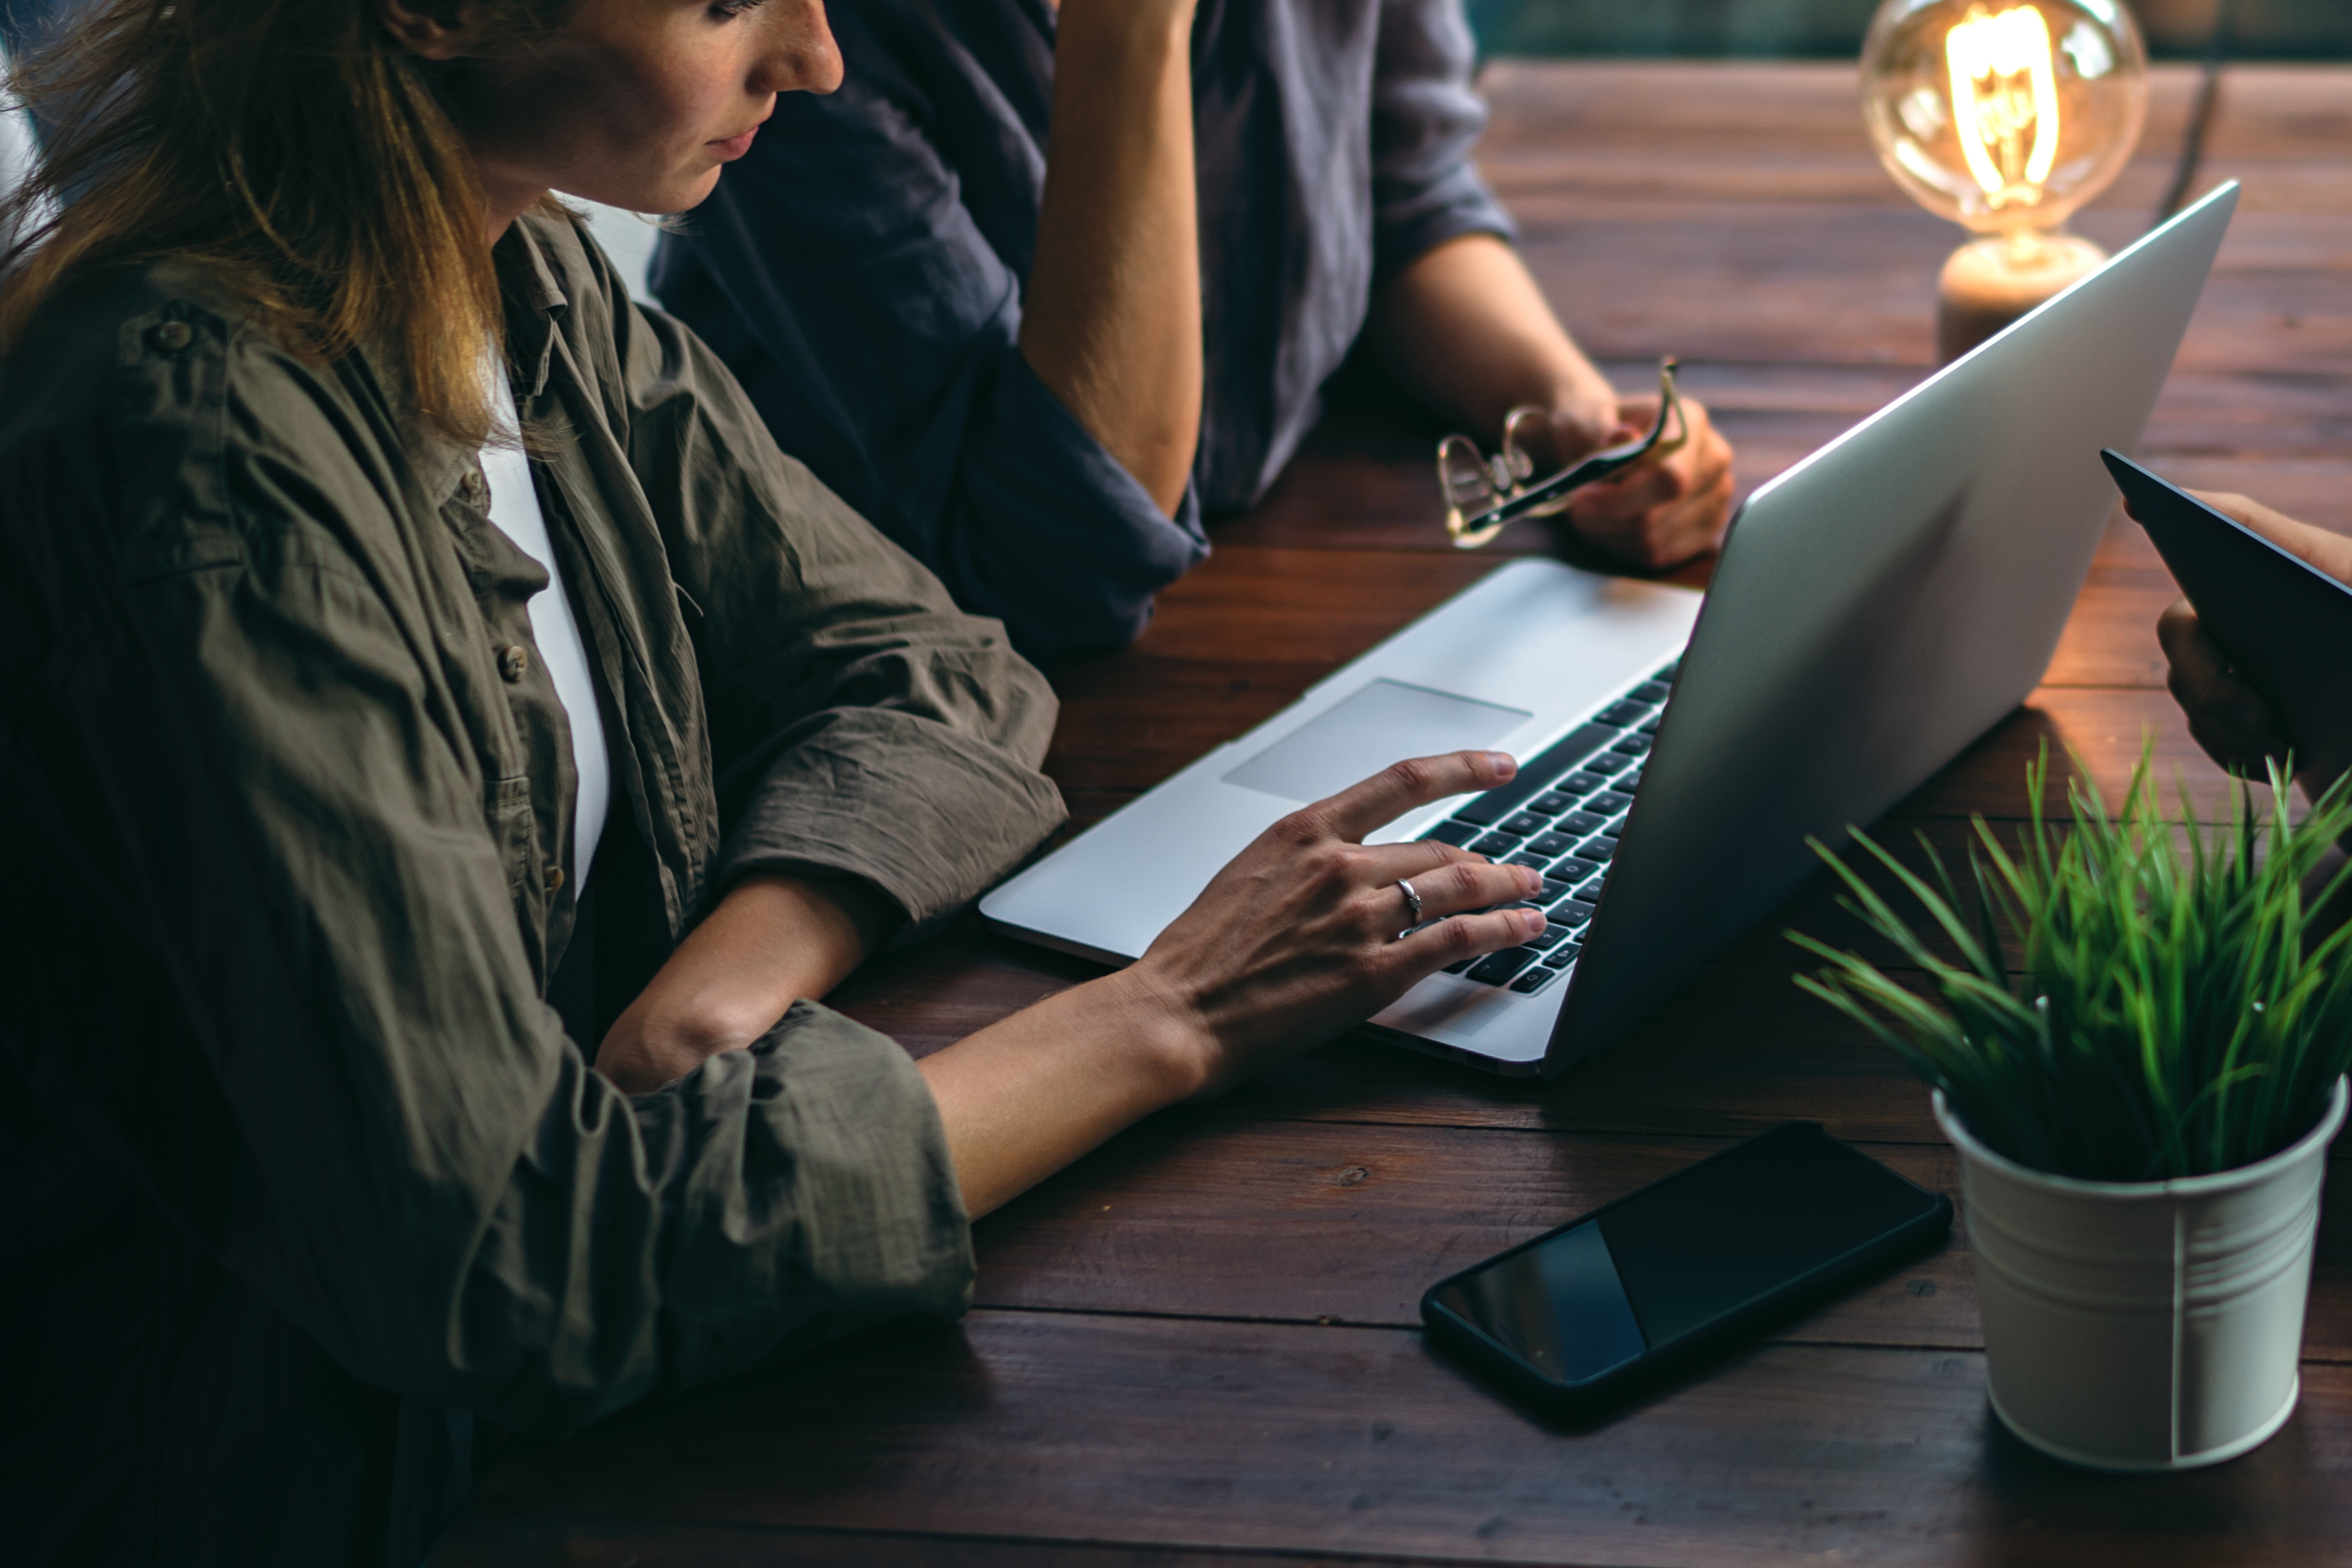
(555, 879)
(171, 337)
(514, 662)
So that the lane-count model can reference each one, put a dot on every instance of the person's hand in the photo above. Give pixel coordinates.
(1657, 513)
(2226, 715)
(1298, 937)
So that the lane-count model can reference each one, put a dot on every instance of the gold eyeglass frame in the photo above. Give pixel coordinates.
(1500, 481)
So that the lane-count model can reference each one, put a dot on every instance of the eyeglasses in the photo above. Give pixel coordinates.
(1484, 494)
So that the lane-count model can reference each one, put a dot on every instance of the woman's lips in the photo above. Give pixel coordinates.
(734, 147)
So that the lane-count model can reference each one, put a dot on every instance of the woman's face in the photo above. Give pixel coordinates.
(636, 103)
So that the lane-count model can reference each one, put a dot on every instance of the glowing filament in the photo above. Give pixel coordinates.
(2005, 101)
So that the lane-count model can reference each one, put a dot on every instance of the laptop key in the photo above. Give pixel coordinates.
(1649, 728)
(1652, 690)
(1613, 803)
(1495, 844)
(1555, 888)
(1578, 823)
(1458, 834)
(1571, 912)
(1551, 846)
(1534, 980)
(1632, 746)
(1550, 804)
(1598, 851)
(1552, 937)
(1623, 715)
(1532, 862)
(1607, 763)
(1536, 775)
(1582, 784)
(1458, 968)
(1563, 956)
(1497, 967)
(1521, 825)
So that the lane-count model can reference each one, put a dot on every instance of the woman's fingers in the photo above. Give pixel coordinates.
(1397, 789)
(1434, 947)
(1447, 880)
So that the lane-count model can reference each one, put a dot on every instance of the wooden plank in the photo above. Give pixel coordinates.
(570, 1541)
(1215, 1216)
(1250, 1436)
(1205, 1217)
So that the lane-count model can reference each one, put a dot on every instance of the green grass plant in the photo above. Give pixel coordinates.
(2178, 1007)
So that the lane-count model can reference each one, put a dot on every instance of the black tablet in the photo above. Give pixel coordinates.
(2284, 626)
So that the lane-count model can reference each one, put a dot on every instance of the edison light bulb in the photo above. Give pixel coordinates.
(2004, 116)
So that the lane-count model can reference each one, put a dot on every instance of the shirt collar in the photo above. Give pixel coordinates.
(532, 297)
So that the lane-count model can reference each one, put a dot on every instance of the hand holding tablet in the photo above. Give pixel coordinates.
(2261, 651)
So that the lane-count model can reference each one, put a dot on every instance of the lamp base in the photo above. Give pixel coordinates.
(1989, 283)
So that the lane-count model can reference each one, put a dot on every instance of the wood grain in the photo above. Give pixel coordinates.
(1253, 1436)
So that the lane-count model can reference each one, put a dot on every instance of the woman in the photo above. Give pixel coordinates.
(1037, 372)
(312, 680)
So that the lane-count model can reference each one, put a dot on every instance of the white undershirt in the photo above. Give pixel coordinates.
(514, 511)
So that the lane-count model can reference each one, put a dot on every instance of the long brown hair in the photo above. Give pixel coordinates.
(293, 146)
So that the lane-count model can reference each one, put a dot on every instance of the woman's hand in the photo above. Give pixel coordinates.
(1298, 937)
(1294, 941)
(2226, 715)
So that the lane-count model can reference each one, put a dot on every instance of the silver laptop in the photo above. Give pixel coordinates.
(1877, 606)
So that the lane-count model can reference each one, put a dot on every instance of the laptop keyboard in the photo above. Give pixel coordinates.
(1560, 814)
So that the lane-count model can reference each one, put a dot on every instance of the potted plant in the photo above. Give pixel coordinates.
(2142, 1104)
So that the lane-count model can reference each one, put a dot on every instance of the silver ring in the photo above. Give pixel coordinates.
(1413, 901)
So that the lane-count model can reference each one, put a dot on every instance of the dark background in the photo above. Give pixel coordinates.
(2265, 29)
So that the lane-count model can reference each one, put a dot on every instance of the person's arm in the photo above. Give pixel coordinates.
(856, 270)
(771, 940)
(1293, 942)
(1111, 320)
(2227, 716)
(1466, 328)
(1459, 322)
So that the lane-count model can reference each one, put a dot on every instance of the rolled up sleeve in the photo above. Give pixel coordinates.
(875, 326)
(1426, 118)
(861, 724)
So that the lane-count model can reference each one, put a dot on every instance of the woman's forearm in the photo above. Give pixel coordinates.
(771, 941)
(1111, 320)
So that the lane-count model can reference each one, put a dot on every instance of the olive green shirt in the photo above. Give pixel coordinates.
(299, 1171)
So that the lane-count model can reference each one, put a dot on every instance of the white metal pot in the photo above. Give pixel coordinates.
(2143, 1325)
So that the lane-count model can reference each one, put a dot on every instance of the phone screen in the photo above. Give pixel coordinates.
(1679, 1255)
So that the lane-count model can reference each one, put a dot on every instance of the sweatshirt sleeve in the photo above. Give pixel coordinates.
(839, 270)
(1426, 118)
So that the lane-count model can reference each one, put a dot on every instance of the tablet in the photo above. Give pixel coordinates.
(2284, 626)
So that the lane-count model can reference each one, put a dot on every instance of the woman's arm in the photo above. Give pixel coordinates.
(1294, 941)
(1466, 327)
(1112, 321)
(771, 940)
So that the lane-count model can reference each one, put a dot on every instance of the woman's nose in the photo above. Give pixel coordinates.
(800, 55)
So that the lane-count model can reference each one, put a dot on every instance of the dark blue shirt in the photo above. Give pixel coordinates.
(862, 271)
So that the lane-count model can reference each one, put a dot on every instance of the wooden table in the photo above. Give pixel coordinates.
(1200, 1345)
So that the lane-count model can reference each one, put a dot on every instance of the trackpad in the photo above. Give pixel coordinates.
(1384, 723)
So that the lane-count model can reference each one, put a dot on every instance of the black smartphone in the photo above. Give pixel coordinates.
(1599, 1307)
